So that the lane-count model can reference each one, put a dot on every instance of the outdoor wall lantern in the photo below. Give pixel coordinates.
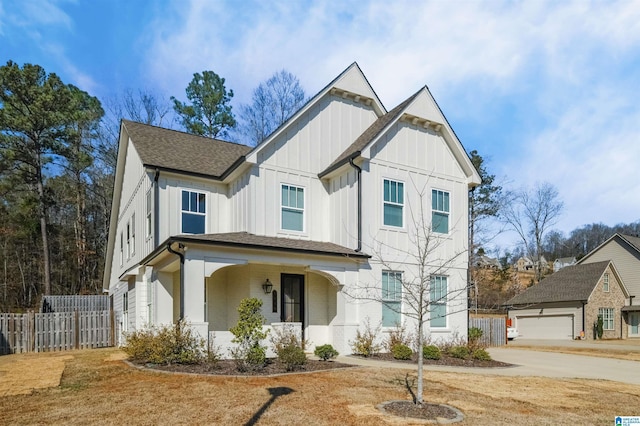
(267, 286)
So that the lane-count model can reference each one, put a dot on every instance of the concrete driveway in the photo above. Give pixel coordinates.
(551, 364)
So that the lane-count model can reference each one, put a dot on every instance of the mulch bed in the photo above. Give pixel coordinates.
(228, 367)
(424, 411)
(445, 360)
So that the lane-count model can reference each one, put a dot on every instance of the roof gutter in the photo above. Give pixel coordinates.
(359, 179)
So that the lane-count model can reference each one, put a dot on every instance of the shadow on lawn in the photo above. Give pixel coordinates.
(275, 393)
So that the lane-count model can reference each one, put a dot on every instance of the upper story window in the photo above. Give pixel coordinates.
(148, 216)
(606, 282)
(128, 240)
(440, 211)
(121, 249)
(193, 212)
(132, 246)
(391, 298)
(438, 301)
(292, 208)
(393, 203)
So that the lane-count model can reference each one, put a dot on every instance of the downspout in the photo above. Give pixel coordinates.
(359, 179)
(156, 209)
(584, 321)
(181, 256)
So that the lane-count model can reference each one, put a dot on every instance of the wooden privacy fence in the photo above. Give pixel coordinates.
(55, 331)
(74, 303)
(494, 330)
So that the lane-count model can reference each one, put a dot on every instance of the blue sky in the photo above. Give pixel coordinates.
(545, 91)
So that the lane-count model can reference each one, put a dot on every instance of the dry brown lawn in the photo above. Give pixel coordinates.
(631, 355)
(96, 387)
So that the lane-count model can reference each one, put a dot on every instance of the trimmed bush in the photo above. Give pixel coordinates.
(481, 355)
(401, 351)
(366, 342)
(475, 334)
(431, 352)
(169, 344)
(325, 352)
(461, 352)
(249, 354)
(288, 346)
(398, 336)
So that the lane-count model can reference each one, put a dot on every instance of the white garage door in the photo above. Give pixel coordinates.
(545, 327)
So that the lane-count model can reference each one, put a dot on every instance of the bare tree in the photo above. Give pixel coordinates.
(273, 102)
(531, 213)
(421, 292)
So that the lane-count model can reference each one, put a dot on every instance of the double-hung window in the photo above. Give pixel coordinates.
(292, 202)
(121, 249)
(128, 240)
(125, 311)
(607, 318)
(148, 217)
(132, 247)
(393, 202)
(194, 212)
(440, 211)
(606, 282)
(391, 298)
(438, 301)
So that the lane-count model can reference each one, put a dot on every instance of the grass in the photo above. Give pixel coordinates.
(630, 355)
(97, 388)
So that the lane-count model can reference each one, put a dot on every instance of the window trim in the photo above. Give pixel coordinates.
(128, 232)
(394, 203)
(608, 322)
(121, 248)
(448, 213)
(197, 213)
(442, 301)
(133, 235)
(396, 300)
(606, 285)
(294, 209)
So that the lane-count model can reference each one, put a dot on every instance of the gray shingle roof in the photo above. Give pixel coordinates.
(369, 135)
(634, 241)
(247, 240)
(572, 283)
(183, 152)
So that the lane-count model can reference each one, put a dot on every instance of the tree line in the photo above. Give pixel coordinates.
(58, 152)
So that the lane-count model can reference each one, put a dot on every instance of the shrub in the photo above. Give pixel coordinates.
(325, 352)
(366, 343)
(431, 352)
(401, 351)
(249, 354)
(475, 334)
(288, 346)
(461, 352)
(398, 336)
(481, 355)
(599, 327)
(169, 344)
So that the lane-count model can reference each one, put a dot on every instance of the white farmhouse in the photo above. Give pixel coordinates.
(199, 224)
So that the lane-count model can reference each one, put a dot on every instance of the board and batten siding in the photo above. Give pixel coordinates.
(626, 261)
(343, 209)
(136, 182)
(217, 206)
(319, 136)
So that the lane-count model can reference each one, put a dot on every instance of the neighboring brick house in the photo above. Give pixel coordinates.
(567, 303)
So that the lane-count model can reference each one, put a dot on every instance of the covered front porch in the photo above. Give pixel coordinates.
(204, 283)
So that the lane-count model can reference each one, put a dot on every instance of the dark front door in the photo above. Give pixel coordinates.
(292, 298)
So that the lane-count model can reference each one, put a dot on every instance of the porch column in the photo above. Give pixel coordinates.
(194, 295)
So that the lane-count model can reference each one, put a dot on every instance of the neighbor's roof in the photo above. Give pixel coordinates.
(247, 240)
(183, 152)
(369, 135)
(568, 284)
